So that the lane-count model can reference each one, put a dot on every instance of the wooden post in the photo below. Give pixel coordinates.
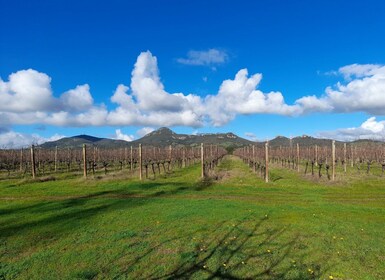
(140, 161)
(267, 162)
(184, 157)
(125, 156)
(56, 159)
(84, 161)
(21, 160)
(333, 159)
(69, 155)
(345, 157)
(170, 156)
(254, 165)
(33, 162)
(202, 162)
(352, 155)
(298, 157)
(316, 155)
(131, 160)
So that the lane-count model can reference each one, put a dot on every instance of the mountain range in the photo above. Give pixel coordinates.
(165, 136)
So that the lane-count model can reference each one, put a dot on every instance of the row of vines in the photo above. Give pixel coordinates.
(315, 160)
(145, 162)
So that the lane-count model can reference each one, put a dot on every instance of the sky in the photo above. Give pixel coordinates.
(120, 69)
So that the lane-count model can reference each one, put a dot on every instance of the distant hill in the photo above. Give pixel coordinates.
(79, 140)
(161, 137)
(165, 136)
(301, 140)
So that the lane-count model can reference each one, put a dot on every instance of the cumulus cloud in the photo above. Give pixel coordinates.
(369, 129)
(26, 91)
(144, 103)
(119, 135)
(241, 96)
(206, 58)
(364, 92)
(12, 139)
(78, 98)
(26, 98)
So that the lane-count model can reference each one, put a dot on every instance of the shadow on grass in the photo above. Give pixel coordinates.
(204, 184)
(239, 251)
(59, 215)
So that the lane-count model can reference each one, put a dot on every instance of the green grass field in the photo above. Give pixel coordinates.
(238, 227)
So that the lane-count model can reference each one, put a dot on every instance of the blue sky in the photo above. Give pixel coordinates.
(313, 67)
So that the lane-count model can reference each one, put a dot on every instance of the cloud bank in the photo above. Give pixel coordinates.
(370, 129)
(27, 98)
(12, 139)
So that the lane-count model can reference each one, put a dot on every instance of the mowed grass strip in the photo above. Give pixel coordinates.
(175, 226)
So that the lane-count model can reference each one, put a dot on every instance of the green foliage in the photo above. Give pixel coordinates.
(230, 149)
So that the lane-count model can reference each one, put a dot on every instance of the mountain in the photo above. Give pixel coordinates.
(165, 136)
(79, 140)
(161, 137)
(304, 140)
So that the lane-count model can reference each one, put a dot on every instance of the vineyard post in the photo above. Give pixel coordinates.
(21, 160)
(33, 161)
(69, 159)
(184, 157)
(316, 155)
(352, 155)
(333, 159)
(55, 159)
(202, 162)
(170, 157)
(254, 165)
(131, 159)
(140, 161)
(216, 153)
(84, 161)
(291, 150)
(345, 157)
(125, 156)
(298, 157)
(267, 162)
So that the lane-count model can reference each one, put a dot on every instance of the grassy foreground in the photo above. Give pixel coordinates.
(178, 227)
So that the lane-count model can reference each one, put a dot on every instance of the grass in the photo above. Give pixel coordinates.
(115, 227)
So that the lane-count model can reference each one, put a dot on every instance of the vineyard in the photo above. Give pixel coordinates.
(193, 212)
(315, 160)
(150, 161)
(139, 161)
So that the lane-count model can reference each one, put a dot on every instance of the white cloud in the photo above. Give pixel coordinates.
(359, 70)
(26, 91)
(119, 135)
(370, 129)
(207, 58)
(240, 96)
(12, 139)
(364, 93)
(78, 99)
(147, 103)
(144, 131)
(148, 89)
(26, 98)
